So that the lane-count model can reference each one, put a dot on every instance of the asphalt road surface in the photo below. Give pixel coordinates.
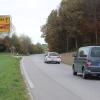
(56, 82)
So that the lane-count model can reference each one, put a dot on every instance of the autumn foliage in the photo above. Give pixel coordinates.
(74, 24)
(19, 45)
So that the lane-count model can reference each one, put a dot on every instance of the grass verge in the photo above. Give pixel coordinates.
(12, 86)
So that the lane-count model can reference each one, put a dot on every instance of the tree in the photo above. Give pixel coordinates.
(15, 43)
(76, 23)
(53, 33)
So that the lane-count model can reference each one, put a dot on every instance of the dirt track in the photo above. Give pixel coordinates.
(67, 58)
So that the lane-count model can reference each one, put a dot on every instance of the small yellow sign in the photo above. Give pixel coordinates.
(5, 24)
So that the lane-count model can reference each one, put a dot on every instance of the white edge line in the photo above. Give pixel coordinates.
(26, 75)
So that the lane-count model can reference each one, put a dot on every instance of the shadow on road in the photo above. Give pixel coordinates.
(90, 77)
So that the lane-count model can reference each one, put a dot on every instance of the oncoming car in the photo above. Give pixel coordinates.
(52, 57)
(87, 61)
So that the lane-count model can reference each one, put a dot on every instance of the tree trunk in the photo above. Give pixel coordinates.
(67, 44)
(96, 37)
(76, 43)
(95, 19)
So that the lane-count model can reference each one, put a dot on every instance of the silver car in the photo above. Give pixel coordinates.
(52, 57)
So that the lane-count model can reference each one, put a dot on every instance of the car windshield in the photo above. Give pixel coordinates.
(95, 52)
(53, 54)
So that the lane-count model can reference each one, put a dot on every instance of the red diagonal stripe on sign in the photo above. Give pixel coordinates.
(4, 26)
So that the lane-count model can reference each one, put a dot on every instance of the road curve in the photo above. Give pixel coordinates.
(56, 82)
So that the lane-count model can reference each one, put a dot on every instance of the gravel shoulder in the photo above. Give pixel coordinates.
(67, 58)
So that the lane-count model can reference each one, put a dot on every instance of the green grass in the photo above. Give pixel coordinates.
(12, 86)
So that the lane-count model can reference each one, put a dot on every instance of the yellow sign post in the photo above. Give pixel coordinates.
(5, 24)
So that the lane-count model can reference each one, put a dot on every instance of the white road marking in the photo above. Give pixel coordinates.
(26, 75)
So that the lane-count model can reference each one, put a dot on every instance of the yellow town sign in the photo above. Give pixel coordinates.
(4, 23)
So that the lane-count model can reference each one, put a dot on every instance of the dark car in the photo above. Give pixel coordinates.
(87, 61)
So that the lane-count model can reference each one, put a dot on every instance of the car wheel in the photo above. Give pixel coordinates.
(58, 62)
(84, 75)
(74, 72)
(48, 62)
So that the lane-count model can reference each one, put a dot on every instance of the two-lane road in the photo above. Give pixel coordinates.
(56, 82)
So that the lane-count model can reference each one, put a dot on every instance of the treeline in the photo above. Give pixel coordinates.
(74, 24)
(19, 45)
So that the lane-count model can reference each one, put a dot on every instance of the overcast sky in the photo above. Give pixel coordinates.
(28, 15)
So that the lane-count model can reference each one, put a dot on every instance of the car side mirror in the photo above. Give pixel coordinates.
(83, 56)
